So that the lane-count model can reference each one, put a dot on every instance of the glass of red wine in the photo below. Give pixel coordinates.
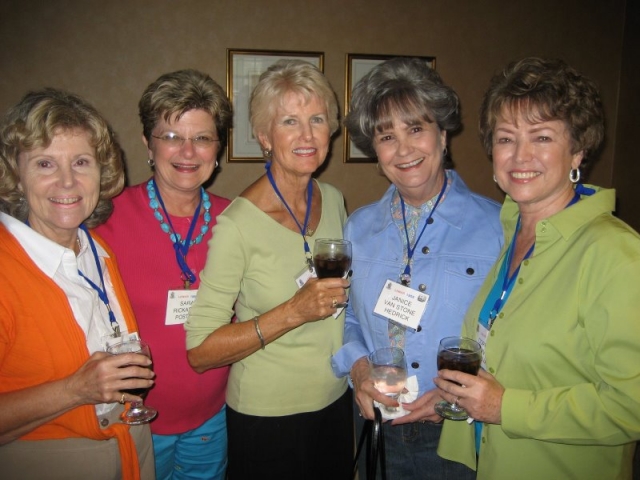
(332, 258)
(464, 355)
(138, 412)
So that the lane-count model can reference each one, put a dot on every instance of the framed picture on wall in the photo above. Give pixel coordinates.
(358, 65)
(244, 68)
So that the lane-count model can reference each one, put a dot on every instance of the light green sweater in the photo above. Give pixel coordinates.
(567, 349)
(251, 267)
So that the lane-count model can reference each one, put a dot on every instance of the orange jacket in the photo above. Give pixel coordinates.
(40, 342)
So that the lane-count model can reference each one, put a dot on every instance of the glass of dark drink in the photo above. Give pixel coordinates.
(332, 258)
(138, 412)
(464, 355)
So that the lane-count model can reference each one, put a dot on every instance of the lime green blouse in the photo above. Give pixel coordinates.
(566, 347)
(252, 266)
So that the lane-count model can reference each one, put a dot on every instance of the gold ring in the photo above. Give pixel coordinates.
(122, 399)
(334, 302)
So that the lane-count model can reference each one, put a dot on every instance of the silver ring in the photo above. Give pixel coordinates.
(334, 302)
(122, 399)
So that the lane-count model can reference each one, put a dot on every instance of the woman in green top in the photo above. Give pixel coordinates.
(288, 416)
(559, 393)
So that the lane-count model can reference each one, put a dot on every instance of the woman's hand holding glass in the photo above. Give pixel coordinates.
(317, 299)
(389, 374)
(332, 259)
(135, 357)
(365, 391)
(466, 393)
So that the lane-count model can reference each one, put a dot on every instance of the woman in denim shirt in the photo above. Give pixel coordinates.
(430, 232)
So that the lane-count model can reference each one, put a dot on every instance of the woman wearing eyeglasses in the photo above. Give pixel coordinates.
(159, 231)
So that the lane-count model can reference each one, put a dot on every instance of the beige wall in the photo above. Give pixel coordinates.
(108, 51)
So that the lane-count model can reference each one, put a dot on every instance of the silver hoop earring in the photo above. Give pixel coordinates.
(445, 152)
(217, 163)
(151, 163)
(494, 178)
(574, 175)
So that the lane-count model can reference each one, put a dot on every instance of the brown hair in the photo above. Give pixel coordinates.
(543, 90)
(178, 92)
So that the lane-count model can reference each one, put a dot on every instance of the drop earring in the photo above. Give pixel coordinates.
(574, 175)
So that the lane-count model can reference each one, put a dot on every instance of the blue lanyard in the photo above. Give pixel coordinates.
(101, 291)
(102, 294)
(508, 280)
(181, 247)
(405, 278)
(302, 228)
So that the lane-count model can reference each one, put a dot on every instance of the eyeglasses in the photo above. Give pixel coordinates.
(176, 141)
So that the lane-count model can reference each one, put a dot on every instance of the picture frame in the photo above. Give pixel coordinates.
(357, 66)
(244, 68)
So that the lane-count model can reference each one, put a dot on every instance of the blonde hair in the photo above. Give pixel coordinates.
(33, 123)
(286, 76)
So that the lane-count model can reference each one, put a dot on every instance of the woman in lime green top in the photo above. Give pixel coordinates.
(559, 393)
(288, 416)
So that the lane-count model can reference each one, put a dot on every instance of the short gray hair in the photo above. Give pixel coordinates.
(408, 87)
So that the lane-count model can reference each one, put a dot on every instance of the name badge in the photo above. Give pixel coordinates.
(401, 304)
(125, 336)
(178, 305)
(482, 333)
(304, 276)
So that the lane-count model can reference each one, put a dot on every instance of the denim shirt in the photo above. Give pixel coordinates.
(452, 260)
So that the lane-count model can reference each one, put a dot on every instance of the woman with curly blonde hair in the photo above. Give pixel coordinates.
(63, 300)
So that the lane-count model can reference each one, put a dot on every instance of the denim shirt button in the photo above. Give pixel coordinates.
(422, 287)
(415, 365)
(419, 329)
(470, 271)
(425, 250)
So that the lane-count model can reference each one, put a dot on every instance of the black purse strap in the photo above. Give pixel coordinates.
(374, 435)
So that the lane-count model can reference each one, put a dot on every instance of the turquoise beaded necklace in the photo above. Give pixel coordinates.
(166, 228)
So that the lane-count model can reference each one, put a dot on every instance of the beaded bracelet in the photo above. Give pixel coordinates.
(258, 331)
